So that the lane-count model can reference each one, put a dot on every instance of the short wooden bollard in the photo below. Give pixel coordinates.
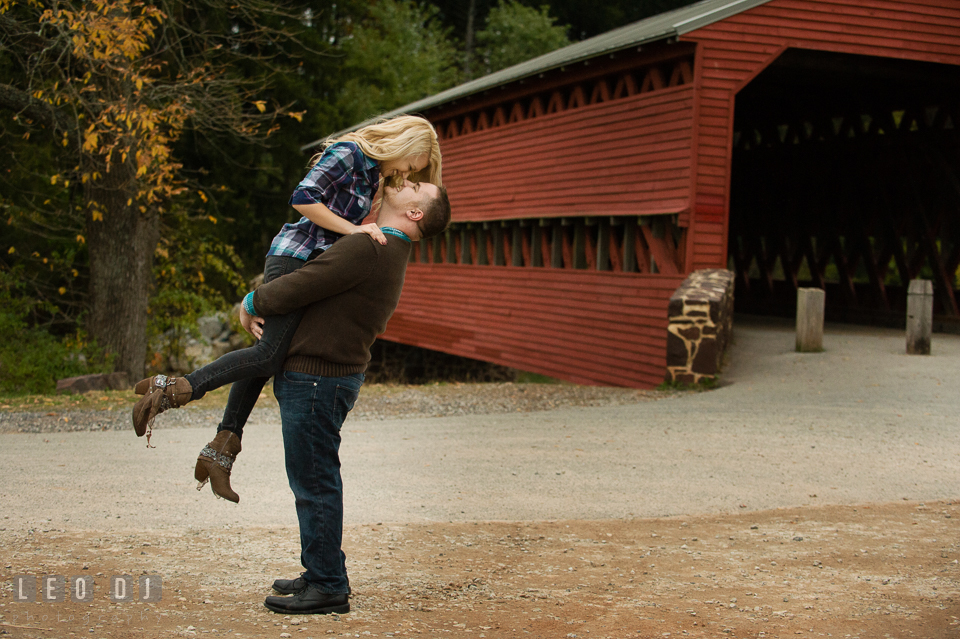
(919, 317)
(810, 306)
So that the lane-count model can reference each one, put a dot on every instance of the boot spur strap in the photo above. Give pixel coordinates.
(225, 461)
(169, 399)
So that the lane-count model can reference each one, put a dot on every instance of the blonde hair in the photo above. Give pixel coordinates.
(394, 139)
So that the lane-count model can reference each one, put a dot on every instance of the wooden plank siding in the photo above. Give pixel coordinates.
(627, 152)
(624, 157)
(733, 51)
(587, 327)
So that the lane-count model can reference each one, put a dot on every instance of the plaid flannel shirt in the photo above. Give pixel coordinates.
(345, 181)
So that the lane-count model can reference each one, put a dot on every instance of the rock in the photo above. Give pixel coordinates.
(210, 327)
(700, 315)
(195, 354)
(84, 383)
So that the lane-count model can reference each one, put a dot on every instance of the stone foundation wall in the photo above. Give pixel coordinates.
(701, 323)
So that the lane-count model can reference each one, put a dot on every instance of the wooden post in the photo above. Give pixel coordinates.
(556, 247)
(482, 244)
(603, 245)
(451, 248)
(499, 255)
(516, 246)
(579, 245)
(629, 250)
(919, 317)
(465, 234)
(810, 306)
(536, 245)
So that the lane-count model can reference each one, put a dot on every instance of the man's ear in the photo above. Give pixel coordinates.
(415, 215)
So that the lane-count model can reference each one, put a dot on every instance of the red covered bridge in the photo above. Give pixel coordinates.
(797, 142)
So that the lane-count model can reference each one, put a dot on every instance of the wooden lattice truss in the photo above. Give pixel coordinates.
(662, 68)
(647, 244)
(858, 204)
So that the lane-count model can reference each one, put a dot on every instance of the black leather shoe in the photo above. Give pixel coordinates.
(289, 586)
(309, 601)
(292, 586)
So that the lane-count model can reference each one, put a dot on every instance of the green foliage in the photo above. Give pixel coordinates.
(705, 384)
(190, 259)
(515, 33)
(39, 236)
(196, 275)
(398, 53)
(523, 377)
(586, 19)
(32, 359)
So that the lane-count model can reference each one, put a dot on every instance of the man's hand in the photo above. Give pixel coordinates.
(373, 231)
(253, 324)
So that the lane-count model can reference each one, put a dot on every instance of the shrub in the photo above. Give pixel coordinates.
(32, 358)
(196, 275)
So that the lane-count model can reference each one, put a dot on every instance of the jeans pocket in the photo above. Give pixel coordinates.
(348, 389)
(292, 377)
(296, 392)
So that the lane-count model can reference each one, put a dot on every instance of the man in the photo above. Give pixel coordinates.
(349, 293)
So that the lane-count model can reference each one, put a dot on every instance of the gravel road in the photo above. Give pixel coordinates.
(860, 422)
(377, 402)
(812, 495)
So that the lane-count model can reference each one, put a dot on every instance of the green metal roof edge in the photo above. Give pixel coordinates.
(659, 27)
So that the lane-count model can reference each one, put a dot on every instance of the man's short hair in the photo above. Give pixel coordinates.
(436, 215)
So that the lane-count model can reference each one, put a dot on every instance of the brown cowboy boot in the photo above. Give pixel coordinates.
(144, 385)
(215, 462)
(160, 393)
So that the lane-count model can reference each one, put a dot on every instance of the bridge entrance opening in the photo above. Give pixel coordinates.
(846, 176)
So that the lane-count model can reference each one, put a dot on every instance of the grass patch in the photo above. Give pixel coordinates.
(112, 400)
(524, 377)
(705, 384)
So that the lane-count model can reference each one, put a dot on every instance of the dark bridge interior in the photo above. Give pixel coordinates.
(846, 176)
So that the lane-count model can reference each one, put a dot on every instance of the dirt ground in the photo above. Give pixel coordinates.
(880, 570)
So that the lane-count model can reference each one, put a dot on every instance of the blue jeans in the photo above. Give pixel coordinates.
(312, 410)
(250, 368)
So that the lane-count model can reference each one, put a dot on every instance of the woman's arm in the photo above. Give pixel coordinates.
(323, 217)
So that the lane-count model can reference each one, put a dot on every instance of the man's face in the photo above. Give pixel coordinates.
(409, 195)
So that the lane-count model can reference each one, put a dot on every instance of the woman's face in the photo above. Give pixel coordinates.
(396, 171)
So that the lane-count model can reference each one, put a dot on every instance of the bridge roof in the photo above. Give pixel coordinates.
(664, 26)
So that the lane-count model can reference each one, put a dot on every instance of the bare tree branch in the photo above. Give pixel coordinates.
(24, 104)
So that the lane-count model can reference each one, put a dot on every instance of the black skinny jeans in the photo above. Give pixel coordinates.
(250, 368)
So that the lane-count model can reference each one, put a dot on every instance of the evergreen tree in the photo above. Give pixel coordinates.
(515, 33)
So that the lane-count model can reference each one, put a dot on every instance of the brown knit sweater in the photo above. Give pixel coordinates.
(350, 292)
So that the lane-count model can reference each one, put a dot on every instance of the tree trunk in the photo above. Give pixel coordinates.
(121, 247)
